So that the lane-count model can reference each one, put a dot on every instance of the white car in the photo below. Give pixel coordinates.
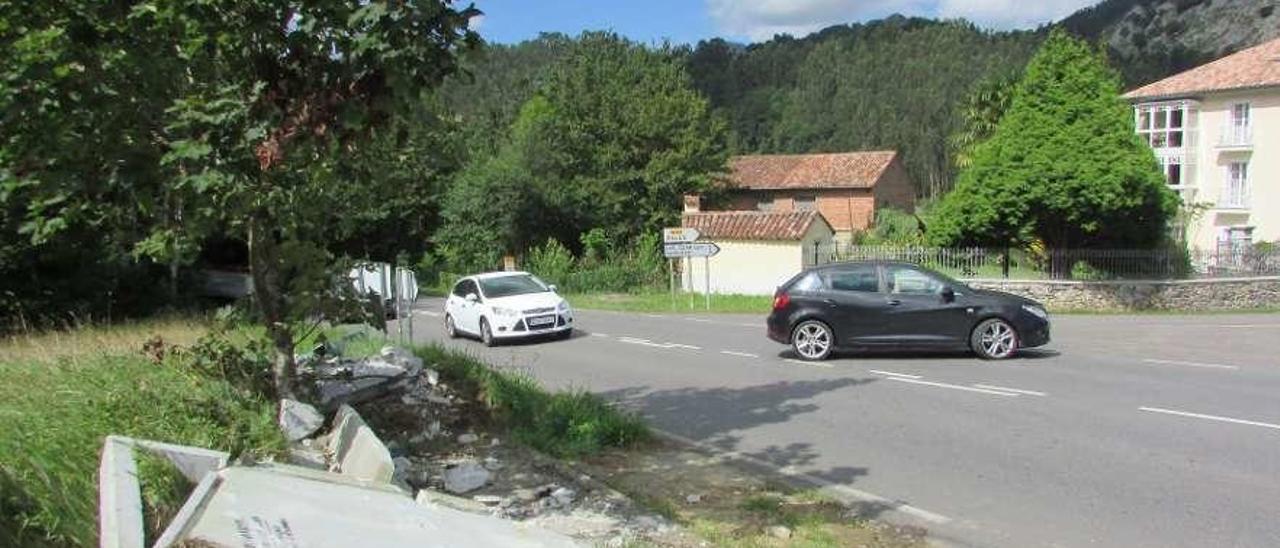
(506, 305)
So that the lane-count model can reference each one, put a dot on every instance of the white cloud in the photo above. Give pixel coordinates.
(1010, 14)
(761, 19)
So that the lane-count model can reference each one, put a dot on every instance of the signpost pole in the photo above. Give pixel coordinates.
(706, 270)
(671, 281)
(688, 263)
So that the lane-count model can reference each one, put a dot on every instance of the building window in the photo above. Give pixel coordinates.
(1239, 130)
(1163, 125)
(765, 203)
(1236, 192)
(806, 203)
(1235, 239)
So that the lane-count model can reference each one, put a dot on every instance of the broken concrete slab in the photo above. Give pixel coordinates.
(465, 477)
(357, 450)
(298, 420)
(278, 505)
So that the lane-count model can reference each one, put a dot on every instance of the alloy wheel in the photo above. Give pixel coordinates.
(812, 340)
(449, 328)
(996, 339)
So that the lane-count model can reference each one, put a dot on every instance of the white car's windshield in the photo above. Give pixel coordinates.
(506, 286)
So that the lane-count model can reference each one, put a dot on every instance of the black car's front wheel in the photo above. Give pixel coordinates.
(812, 340)
(994, 339)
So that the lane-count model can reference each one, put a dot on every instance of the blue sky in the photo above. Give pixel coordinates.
(687, 21)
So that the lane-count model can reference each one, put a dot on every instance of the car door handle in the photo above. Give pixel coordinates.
(829, 302)
(893, 302)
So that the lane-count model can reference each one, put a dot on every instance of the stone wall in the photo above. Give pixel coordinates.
(1220, 294)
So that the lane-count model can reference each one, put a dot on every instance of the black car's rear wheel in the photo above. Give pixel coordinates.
(994, 339)
(812, 340)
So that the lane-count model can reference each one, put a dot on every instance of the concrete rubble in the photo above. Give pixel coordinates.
(298, 420)
(414, 435)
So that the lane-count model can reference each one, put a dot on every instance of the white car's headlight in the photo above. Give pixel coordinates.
(500, 311)
(1036, 311)
(563, 306)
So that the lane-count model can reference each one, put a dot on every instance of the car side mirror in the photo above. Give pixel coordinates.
(552, 287)
(472, 297)
(948, 295)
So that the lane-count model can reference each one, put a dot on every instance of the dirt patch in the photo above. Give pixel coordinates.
(731, 505)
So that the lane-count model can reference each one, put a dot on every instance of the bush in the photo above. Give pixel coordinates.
(56, 415)
(564, 424)
(642, 268)
(552, 262)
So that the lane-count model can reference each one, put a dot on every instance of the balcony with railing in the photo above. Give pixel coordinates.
(1234, 197)
(1236, 137)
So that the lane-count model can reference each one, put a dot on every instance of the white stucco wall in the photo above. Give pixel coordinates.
(1263, 157)
(748, 267)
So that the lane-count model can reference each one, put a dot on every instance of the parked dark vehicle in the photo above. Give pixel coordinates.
(900, 305)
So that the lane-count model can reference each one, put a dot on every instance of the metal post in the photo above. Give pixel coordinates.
(671, 275)
(706, 271)
(688, 263)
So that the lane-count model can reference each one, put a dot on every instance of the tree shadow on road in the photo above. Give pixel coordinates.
(716, 417)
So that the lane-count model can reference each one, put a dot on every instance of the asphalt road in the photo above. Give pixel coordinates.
(1124, 431)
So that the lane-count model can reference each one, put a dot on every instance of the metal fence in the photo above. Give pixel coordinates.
(1065, 264)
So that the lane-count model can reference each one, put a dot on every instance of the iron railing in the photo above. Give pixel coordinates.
(1064, 264)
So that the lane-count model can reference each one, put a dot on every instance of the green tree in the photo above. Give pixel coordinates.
(1063, 166)
(487, 213)
(980, 114)
(615, 138)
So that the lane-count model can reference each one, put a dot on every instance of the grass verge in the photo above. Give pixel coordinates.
(64, 392)
(571, 423)
(662, 302)
(564, 424)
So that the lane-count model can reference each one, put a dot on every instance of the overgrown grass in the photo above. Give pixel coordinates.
(64, 392)
(81, 341)
(662, 302)
(563, 424)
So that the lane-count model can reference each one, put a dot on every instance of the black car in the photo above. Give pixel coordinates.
(900, 305)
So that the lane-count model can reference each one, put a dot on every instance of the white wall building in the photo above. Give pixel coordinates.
(1216, 131)
(758, 250)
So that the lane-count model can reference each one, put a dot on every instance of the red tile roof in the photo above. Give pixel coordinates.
(802, 171)
(752, 225)
(1256, 67)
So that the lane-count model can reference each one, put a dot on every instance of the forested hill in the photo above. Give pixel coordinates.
(891, 83)
(1151, 39)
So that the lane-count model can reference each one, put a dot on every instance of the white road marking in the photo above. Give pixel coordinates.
(739, 354)
(1014, 390)
(432, 314)
(652, 316)
(647, 342)
(703, 320)
(599, 334)
(842, 492)
(1249, 325)
(1190, 364)
(892, 374)
(1209, 417)
(955, 387)
(814, 364)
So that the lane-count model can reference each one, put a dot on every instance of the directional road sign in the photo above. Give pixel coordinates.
(692, 249)
(679, 235)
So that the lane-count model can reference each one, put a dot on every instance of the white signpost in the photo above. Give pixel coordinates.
(679, 235)
(678, 243)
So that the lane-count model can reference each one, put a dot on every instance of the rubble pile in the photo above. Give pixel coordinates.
(436, 442)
